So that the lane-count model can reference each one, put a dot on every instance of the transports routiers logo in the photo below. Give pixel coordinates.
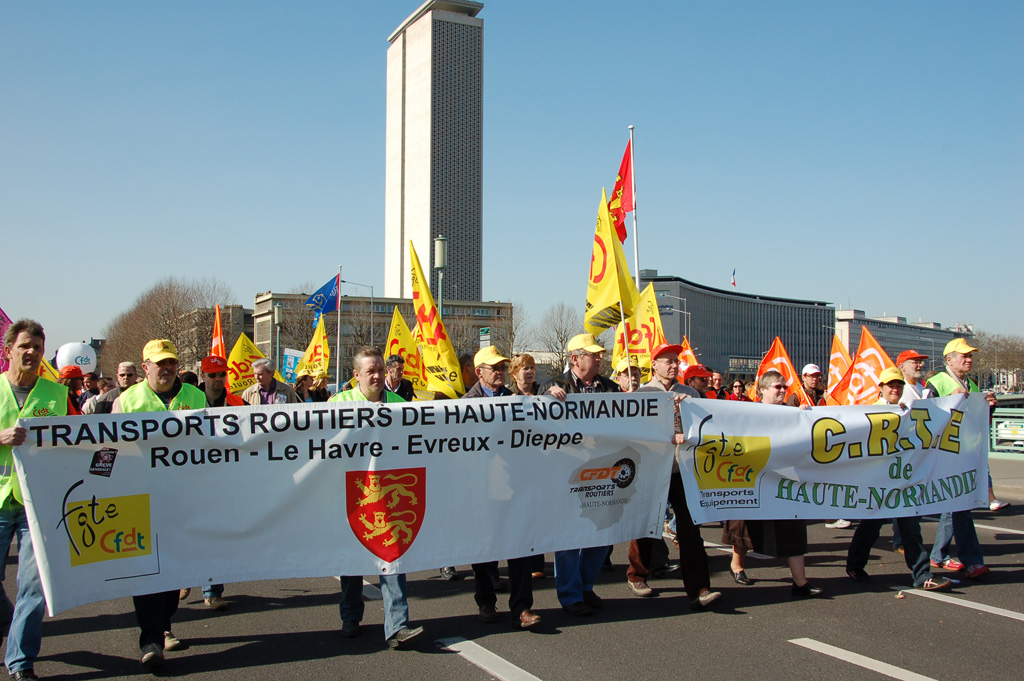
(603, 485)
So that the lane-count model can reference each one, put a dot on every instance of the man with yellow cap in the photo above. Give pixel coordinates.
(491, 368)
(161, 391)
(959, 357)
(576, 569)
(890, 384)
(23, 394)
(627, 374)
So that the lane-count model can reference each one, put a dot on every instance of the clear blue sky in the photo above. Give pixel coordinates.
(860, 153)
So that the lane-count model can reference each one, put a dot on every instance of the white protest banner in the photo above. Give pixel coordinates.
(139, 503)
(745, 461)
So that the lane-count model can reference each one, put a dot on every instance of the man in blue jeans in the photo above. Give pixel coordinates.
(368, 368)
(22, 393)
(959, 524)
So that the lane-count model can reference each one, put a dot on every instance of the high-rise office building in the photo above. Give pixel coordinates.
(434, 148)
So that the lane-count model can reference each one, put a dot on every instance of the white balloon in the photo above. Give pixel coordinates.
(80, 355)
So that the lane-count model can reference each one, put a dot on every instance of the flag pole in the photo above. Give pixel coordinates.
(337, 347)
(636, 247)
(625, 340)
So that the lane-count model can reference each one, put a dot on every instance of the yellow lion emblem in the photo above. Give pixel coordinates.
(382, 524)
(375, 492)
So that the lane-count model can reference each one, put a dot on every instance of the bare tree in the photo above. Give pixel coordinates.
(176, 309)
(560, 323)
(999, 359)
(512, 331)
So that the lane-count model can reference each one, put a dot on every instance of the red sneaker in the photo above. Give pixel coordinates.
(951, 564)
(977, 571)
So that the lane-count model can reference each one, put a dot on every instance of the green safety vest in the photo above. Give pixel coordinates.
(46, 399)
(944, 384)
(354, 395)
(140, 398)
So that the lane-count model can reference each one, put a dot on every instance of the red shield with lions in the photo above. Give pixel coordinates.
(385, 508)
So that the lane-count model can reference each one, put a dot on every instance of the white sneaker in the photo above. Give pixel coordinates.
(998, 505)
(838, 524)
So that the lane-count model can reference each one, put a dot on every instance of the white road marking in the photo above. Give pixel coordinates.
(498, 667)
(962, 602)
(860, 660)
(728, 549)
(370, 592)
(992, 528)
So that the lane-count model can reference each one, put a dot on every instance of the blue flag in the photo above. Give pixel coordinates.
(325, 299)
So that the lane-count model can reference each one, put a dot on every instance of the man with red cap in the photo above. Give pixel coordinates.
(693, 556)
(695, 380)
(214, 372)
(911, 365)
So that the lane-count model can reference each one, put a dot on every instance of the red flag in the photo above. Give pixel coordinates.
(217, 348)
(622, 193)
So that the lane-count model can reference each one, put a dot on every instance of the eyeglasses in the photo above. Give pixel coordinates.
(497, 367)
(219, 374)
(668, 360)
(778, 386)
(737, 385)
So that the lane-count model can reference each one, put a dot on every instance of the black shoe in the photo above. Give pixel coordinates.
(350, 629)
(403, 636)
(859, 576)
(741, 577)
(593, 600)
(579, 608)
(664, 569)
(24, 674)
(450, 574)
(807, 591)
(488, 613)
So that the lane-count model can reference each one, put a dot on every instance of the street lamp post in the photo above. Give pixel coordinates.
(278, 318)
(440, 264)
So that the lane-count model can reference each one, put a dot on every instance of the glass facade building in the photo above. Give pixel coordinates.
(730, 331)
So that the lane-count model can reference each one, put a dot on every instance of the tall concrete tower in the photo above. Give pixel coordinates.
(434, 147)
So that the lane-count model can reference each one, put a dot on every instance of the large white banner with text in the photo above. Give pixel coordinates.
(131, 504)
(747, 461)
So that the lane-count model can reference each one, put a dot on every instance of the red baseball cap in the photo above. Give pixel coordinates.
(213, 364)
(666, 347)
(696, 371)
(909, 354)
(71, 371)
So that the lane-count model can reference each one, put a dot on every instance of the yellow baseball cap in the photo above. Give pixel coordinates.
(158, 350)
(624, 364)
(489, 356)
(584, 341)
(957, 345)
(891, 374)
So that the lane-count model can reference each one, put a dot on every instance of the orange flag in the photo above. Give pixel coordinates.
(860, 383)
(217, 348)
(686, 357)
(778, 359)
(838, 364)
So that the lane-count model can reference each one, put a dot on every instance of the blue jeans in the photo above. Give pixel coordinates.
(915, 555)
(213, 591)
(575, 572)
(26, 634)
(396, 606)
(958, 524)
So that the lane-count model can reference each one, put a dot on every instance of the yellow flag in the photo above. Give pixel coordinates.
(644, 330)
(401, 343)
(240, 365)
(610, 285)
(317, 358)
(439, 359)
(47, 371)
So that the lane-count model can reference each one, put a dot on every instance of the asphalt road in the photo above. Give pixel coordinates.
(290, 629)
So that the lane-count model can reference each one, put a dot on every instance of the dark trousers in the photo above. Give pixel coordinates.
(914, 552)
(153, 611)
(520, 584)
(693, 558)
